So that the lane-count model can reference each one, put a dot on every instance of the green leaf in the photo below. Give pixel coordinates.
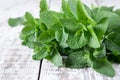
(26, 31)
(101, 28)
(100, 52)
(83, 16)
(40, 53)
(66, 9)
(61, 37)
(75, 42)
(76, 60)
(102, 66)
(30, 19)
(56, 58)
(43, 6)
(71, 25)
(46, 36)
(113, 23)
(112, 42)
(50, 18)
(93, 42)
(16, 21)
(72, 5)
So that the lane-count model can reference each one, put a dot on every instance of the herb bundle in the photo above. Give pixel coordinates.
(87, 37)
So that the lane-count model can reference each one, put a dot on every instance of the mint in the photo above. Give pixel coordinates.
(77, 37)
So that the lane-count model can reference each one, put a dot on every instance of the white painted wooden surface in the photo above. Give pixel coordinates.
(15, 60)
(50, 72)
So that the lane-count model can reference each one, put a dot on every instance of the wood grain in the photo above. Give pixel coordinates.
(16, 60)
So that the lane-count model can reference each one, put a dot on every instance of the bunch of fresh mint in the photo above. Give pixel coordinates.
(85, 37)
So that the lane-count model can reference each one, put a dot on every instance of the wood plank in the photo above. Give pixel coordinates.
(50, 72)
(16, 60)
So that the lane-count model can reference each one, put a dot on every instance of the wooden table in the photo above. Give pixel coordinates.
(15, 60)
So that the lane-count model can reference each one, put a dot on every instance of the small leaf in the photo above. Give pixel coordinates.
(30, 18)
(66, 9)
(40, 53)
(82, 14)
(101, 28)
(46, 36)
(72, 5)
(56, 58)
(16, 21)
(61, 37)
(100, 52)
(43, 6)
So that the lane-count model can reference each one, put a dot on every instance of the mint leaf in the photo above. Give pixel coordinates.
(43, 6)
(71, 25)
(16, 21)
(101, 28)
(66, 10)
(56, 58)
(61, 37)
(112, 41)
(29, 18)
(75, 42)
(100, 52)
(94, 42)
(40, 53)
(82, 14)
(72, 5)
(103, 66)
(50, 18)
(73, 61)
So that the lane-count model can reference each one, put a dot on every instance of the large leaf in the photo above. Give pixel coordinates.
(102, 66)
(76, 60)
